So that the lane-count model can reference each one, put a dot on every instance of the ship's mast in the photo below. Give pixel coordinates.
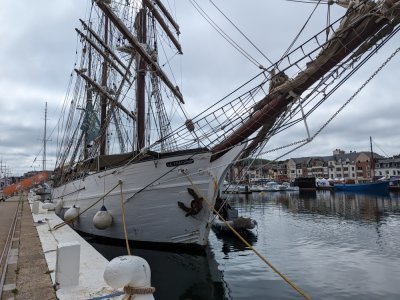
(138, 47)
(44, 138)
(88, 103)
(141, 27)
(103, 112)
(144, 59)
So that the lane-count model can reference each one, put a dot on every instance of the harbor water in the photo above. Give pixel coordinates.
(331, 245)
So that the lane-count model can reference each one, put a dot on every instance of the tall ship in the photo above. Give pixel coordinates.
(127, 144)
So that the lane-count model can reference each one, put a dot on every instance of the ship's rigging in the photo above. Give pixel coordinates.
(116, 61)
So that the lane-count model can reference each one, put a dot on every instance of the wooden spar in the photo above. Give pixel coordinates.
(262, 133)
(105, 46)
(88, 102)
(343, 43)
(103, 98)
(166, 14)
(102, 91)
(162, 23)
(141, 23)
(138, 47)
(103, 54)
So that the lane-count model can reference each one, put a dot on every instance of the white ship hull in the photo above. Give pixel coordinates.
(152, 214)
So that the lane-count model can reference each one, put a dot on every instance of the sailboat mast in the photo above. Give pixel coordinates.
(44, 137)
(103, 111)
(141, 27)
(372, 160)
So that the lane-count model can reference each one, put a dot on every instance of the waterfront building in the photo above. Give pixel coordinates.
(350, 166)
(388, 167)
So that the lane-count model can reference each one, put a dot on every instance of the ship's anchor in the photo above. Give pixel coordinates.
(195, 206)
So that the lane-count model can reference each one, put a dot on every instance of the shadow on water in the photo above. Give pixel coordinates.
(181, 275)
(231, 243)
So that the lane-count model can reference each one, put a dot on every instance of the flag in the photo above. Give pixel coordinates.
(90, 124)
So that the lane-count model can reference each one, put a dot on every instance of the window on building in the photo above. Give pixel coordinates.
(380, 173)
(338, 169)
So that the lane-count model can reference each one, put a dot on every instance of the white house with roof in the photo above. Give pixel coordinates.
(388, 167)
(341, 165)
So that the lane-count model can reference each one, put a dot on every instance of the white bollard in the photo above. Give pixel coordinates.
(131, 272)
(67, 264)
(48, 206)
(36, 207)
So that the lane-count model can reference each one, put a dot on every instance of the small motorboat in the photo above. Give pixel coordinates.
(231, 216)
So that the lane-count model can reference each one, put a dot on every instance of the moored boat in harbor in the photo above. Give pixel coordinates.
(378, 187)
(130, 155)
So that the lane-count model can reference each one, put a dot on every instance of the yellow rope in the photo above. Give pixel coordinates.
(123, 221)
(287, 280)
(73, 219)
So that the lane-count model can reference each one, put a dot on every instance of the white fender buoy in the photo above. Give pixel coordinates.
(48, 206)
(131, 272)
(102, 219)
(59, 206)
(71, 213)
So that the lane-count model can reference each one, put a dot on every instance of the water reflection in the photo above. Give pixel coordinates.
(342, 205)
(327, 203)
(231, 243)
(333, 245)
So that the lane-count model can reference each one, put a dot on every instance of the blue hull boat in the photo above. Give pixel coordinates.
(377, 187)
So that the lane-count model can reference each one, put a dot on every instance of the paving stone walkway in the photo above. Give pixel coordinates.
(27, 274)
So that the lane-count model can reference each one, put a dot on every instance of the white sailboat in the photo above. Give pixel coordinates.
(119, 148)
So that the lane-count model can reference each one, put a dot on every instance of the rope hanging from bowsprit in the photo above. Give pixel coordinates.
(130, 292)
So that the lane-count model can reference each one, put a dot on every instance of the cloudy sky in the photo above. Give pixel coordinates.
(37, 53)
